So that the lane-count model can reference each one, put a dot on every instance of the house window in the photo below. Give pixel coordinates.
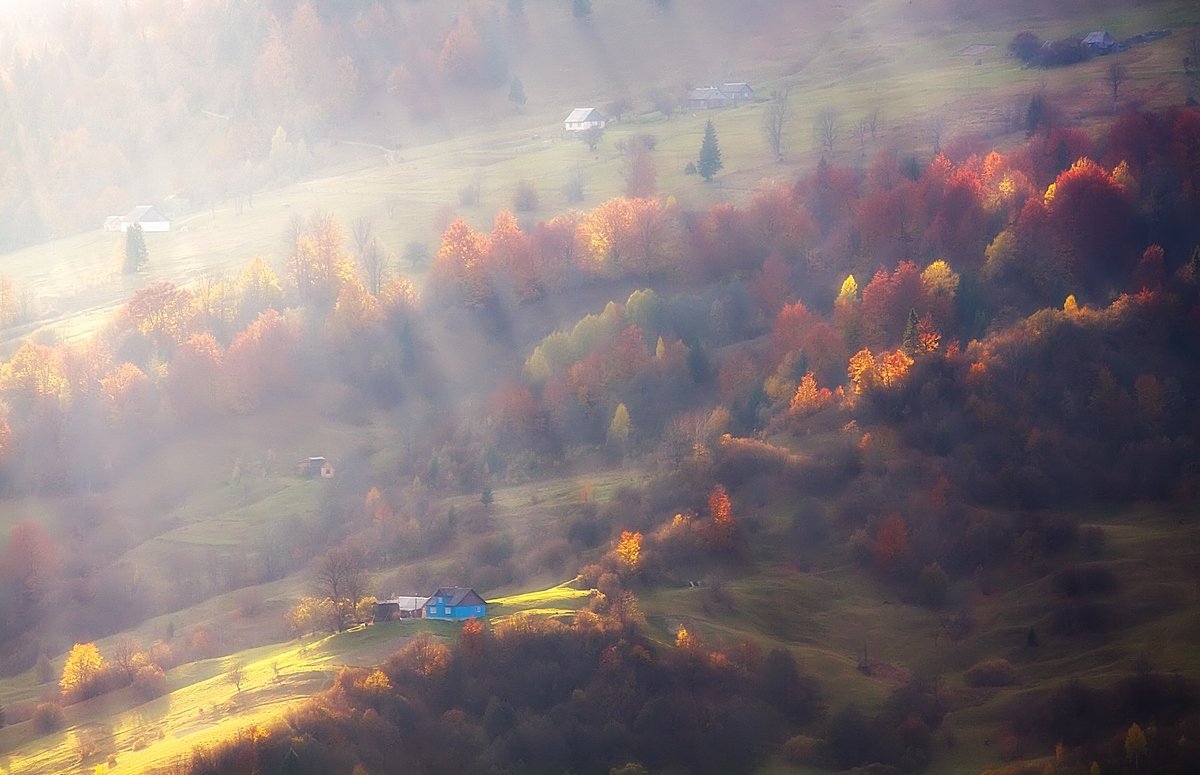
(447, 609)
(478, 609)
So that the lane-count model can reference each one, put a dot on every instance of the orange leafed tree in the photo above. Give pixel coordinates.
(162, 312)
(629, 549)
(458, 272)
(809, 399)
(720, 508)
(127, 391)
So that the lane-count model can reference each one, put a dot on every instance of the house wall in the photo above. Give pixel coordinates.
(149, 226)
(455, 612)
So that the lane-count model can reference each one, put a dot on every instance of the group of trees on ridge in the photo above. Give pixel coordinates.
(1076, 280)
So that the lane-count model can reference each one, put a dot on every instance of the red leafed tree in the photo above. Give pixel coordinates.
(464, 57)
(194, 377)
(772, 285)
(790, 329)
(127, 392)
(959, 224)
(891, 541)
(84, 364)
(555, 248)
(30, 564)
(1091, 215)
(1151, 270)
(261, 361)
(721, 241)
(779, 222)
(887, 301)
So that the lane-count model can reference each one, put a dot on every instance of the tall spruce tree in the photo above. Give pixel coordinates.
(912, 334)
(710, 153)
(136, 253)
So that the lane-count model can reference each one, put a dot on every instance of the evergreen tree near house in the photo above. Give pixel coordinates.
(710, 154)
(516, 93)
(136, 253)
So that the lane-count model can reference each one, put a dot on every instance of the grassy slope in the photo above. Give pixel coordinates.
(829, 613)
(850, 58)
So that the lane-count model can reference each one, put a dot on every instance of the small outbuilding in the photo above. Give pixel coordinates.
(399, 607)
(312, 467)
(455, 603)
(583, 119)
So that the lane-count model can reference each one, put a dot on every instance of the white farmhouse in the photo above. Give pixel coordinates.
(583, 119)
(147, 216)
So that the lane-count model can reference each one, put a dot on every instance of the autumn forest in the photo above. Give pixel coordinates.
(887, 465)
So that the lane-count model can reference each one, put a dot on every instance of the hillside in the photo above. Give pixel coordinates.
(880, 454)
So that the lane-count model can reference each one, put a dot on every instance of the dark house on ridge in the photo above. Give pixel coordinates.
(724, 96)
(455, 603)
(1099, 42)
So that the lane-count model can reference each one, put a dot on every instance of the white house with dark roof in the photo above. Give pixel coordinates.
(583, 119)
(147, 216)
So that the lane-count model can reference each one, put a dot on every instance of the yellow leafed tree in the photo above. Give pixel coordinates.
(84, 663)
(629, 549)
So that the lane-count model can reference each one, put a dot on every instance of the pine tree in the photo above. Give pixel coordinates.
(912, 341)
(710, 154)
(516, 93)
(136, 253)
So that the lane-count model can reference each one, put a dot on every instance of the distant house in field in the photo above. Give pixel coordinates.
(313, 467)
(146, 216)
(400, 607)
(583, 119)
(1099, 42)
(738, 92)
(455, 603)
(724, 96)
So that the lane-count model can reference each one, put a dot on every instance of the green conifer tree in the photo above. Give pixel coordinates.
(912, 339)
(710, 154)
(136, 253)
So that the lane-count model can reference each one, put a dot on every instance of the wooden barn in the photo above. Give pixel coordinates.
(399, 607)
(311, 468)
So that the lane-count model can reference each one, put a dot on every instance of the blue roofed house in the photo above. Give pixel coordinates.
(455, 603)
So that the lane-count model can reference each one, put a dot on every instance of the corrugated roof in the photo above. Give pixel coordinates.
(143, 213)
(459, 596)
(580, 115)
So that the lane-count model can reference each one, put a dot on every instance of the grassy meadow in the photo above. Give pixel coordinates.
(214, 493)
(917, 70)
